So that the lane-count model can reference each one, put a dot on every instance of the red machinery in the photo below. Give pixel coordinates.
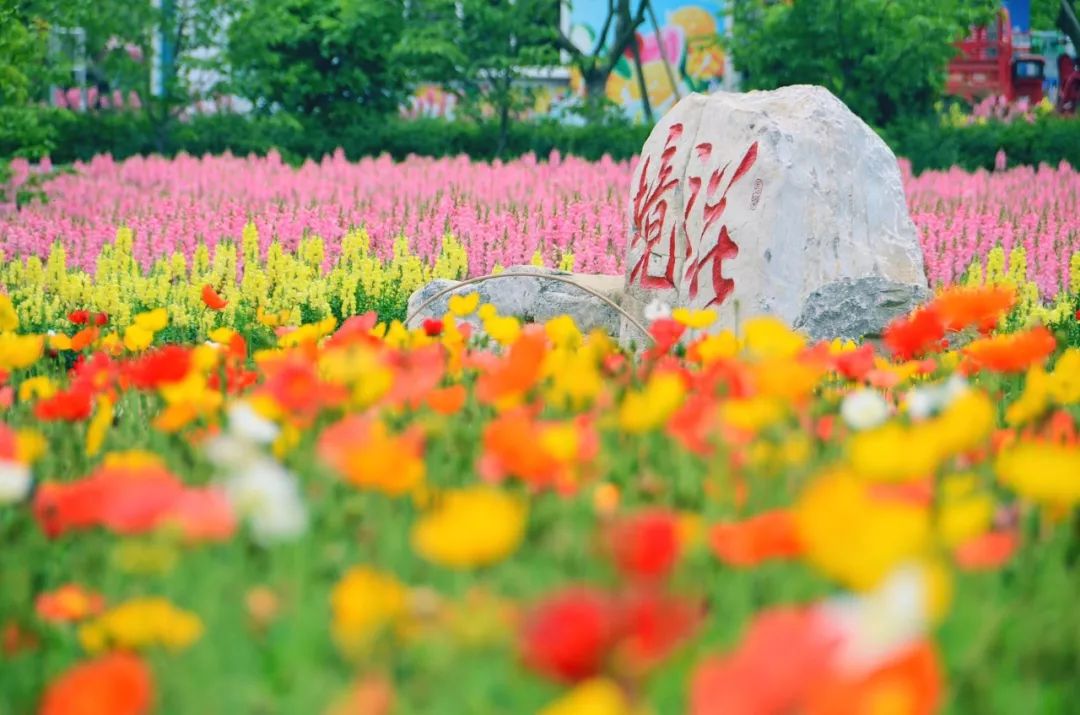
(1068, 96)
(988, 66)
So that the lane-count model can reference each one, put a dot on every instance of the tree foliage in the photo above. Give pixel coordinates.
(481, 50)
(327, 60)
(885, 58)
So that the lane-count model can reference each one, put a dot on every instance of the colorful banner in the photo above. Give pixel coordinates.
(687, 34)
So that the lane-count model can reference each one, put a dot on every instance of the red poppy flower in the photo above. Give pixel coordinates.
(911, 336)
(161, 366)
(855, 364)
(122, 499)
(652, 624)
(666, 334)
(73, 405)
(769, 535)
(79, 317)
(568, 634)
(117, 683)
(212, 300)
(101, 319)
(433, 327)
(646, 545)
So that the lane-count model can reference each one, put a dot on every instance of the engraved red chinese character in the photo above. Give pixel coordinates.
(650, 217)
(723, 247)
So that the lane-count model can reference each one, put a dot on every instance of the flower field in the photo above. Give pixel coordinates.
(231, 481)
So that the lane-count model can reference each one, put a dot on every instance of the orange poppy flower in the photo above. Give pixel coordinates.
(913, 678)
(212, 300)
(447, 400)
(367, 455)
(117, 683)
(987, 552)
(84, 339)
(769, 535)
(509, 378)
(69, 603)
(1011, 353)
(982, 307)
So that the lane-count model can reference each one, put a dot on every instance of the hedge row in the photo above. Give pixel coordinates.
(69, 136)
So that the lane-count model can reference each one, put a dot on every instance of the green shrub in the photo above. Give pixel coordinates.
(68, 136)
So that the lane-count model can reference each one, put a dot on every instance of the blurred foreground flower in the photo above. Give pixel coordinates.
(116, 684)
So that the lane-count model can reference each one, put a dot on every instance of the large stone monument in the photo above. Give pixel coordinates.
(780, 203)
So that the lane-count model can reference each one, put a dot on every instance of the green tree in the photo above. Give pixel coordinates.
(483, 50)
(885, 58)
(1063, 15)
(330, 61)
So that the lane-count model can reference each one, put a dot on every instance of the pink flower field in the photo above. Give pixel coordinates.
(503, 213)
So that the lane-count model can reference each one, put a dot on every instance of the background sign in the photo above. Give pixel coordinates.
(688, 35)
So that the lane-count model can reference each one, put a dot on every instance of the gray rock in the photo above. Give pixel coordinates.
(531, 299)
(748, 203)
(857, 307)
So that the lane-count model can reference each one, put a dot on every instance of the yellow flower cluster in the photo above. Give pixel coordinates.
(142, 623)
(274, 287)
(1030, 307)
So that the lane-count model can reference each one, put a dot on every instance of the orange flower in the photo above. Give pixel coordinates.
(69, 603)
(117, 684)
(910, 683)
(84, 339)
(447, 400)
(212, 300)
(507, 380)
(990, 551)
(982, 307)
(1015, 352)
(364, 452)
(911, 336)
(544, 454)
(769, 535)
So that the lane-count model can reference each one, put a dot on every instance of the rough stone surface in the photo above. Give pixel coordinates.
(750, 203)
(532, 299)
(857, 307)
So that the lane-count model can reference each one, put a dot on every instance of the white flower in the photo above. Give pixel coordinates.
(267, 495)
(921, 402)
(657, 309)
(230, 452)
(246, 423)
(879, 625)
(864, 409)
(15, 481)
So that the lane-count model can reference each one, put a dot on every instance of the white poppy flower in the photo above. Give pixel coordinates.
(864, 409)
(15, 481)
(267, 495)
(246, 423)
